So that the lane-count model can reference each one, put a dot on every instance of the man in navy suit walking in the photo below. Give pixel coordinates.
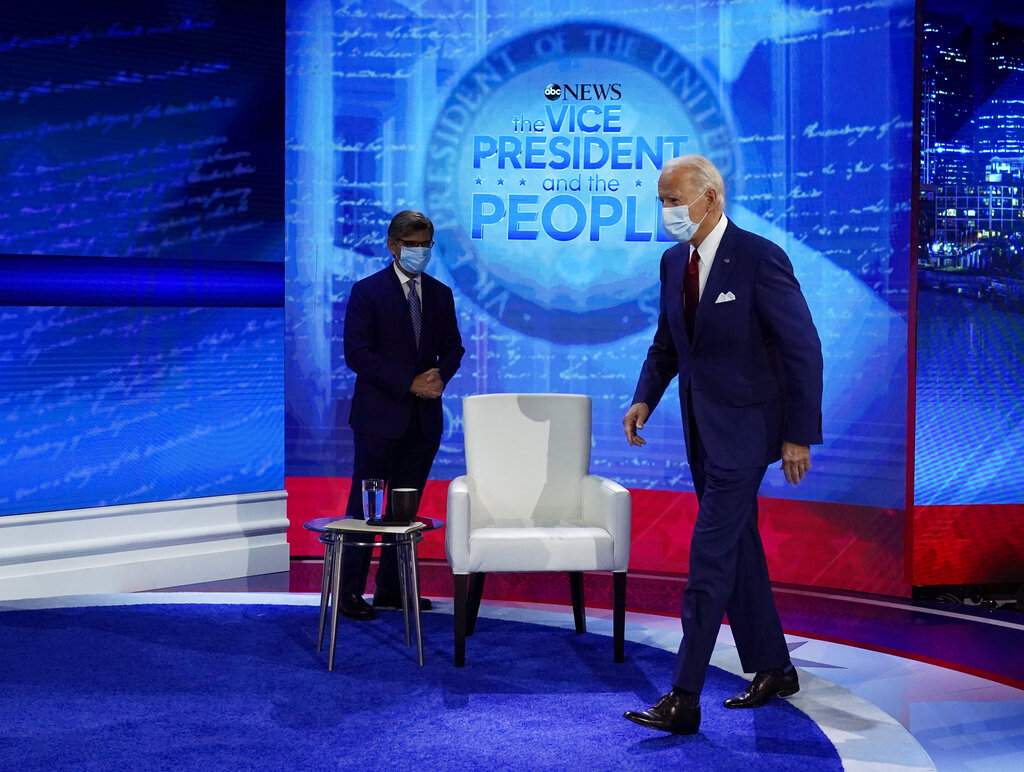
(735, 329)
(402, 341)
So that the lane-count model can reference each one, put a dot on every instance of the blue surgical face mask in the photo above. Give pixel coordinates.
(414, 259)
(677, 223)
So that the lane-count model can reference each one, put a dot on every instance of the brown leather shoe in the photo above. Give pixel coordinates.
(766, 684)
(676, 713)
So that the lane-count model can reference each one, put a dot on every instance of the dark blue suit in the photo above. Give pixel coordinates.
(396, 434)
(750, 379)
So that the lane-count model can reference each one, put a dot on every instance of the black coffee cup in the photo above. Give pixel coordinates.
(404, 503)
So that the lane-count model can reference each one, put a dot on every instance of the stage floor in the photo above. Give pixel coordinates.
(952, 677)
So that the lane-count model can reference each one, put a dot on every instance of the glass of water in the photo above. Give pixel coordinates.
(373, 499)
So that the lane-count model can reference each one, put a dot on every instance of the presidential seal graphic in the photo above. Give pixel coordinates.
(542, 176)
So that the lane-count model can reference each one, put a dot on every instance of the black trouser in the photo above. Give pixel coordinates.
(404, 463)
(728, 574)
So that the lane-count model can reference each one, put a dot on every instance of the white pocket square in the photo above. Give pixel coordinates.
(725, 297)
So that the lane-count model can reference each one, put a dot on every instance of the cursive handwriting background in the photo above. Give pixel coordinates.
(148, 131)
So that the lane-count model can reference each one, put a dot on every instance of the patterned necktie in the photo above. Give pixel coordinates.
(691, 292)
(415, 311)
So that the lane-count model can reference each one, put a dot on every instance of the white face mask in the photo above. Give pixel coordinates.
(677, 223)
(414, 259)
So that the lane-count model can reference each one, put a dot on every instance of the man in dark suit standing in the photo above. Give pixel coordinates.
(735, 328)
(402, 341)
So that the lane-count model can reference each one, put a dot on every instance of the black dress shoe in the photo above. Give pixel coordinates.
(389, 600)
(766, 684)
(354, 607)
(676, 713)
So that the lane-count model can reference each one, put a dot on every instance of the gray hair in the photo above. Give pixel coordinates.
(409, 221)
(703, 173)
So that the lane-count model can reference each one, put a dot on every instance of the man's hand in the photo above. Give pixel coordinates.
(634, 421)
(796, 461)
(428, 384)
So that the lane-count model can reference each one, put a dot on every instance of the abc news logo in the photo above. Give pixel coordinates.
(584, 92)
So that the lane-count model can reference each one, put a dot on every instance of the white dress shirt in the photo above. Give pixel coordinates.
(419, 282)
(708, 248)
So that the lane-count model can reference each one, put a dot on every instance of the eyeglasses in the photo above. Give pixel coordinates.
(424, 244)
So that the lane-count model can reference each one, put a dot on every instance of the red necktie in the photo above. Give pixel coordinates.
(691, 292)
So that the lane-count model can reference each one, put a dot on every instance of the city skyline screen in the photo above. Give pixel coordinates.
(534, 141)
(970, 318)
(141, 252)
(968, 516)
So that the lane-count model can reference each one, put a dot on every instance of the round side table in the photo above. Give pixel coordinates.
(405, 539)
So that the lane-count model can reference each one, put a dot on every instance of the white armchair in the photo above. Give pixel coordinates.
(528, 503)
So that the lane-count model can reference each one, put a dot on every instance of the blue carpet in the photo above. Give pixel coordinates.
(219, 687)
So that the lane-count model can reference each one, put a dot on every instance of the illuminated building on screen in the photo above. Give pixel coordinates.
(972, 139)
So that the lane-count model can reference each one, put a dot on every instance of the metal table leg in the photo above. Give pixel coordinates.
(336, 595)
(403, 582)
(414, 571)
(325, 586)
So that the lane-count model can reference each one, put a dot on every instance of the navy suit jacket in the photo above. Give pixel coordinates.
(380, 348)
(754, 367)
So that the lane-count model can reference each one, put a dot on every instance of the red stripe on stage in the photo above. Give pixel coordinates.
(809, 543)
(968, 544)
(311, 497)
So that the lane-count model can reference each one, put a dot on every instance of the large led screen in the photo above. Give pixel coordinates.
(968, 518)
(141, 252)
(533, 136)
(970, 319)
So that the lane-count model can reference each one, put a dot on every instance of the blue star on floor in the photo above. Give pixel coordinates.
(806, 662)
(797, 662)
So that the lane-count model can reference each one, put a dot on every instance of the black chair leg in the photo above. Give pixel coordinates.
(576, 588)
(619, 614)
(476, 592)
(461, 581)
